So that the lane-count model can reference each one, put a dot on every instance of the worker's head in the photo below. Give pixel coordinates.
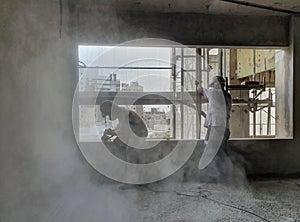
(106, 108)
(217, 82)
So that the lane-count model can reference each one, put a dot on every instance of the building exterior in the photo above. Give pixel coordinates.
(93, 80)
(134, 87)
(159, 125)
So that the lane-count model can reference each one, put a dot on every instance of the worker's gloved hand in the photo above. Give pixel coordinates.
(110, 132)
(105, 138)
(108, 135)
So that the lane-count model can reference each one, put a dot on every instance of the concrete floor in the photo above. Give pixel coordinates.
(272, 200)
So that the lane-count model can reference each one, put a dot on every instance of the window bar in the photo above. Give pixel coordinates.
(198, 98)
(182, 87)
(173, 62)
(269, 113)
(207, 61)
(261, 131)
(220, 54)
(254, 112)
(125, 67)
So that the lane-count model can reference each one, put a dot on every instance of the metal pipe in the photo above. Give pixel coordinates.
(182, 87)
(269, 114)
(173, 62)
(126, 67)
(254, 65)
(220, 54)
(254, 123)
(262, 6)
(198, 97)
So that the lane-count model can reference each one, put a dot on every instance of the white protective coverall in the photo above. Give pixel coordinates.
(217, 124)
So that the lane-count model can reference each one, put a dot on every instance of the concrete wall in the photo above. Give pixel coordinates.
(43, 174)
(284, 87)
(279, 156)
(110, 27)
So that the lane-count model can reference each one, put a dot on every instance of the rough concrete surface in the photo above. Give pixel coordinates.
(274, 200)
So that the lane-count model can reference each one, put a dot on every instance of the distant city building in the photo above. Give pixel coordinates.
(155, 119)
(95, 81)
(134, 87)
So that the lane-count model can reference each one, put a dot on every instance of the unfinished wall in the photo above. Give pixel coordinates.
(240, 128)
(43, 174)
(284, 85)
(279, 156)
(97, 25)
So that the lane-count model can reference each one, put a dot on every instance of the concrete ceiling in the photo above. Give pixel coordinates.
(198, 6)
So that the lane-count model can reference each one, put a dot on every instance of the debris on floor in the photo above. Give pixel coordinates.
(277, 201)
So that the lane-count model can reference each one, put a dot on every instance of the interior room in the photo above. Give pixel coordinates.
(147, 110)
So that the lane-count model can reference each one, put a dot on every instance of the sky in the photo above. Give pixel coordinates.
(151, 80)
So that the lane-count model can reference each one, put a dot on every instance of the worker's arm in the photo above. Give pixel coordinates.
(137, 125)
(199, 88)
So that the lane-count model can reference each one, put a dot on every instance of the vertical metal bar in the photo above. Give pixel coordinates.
(220, 54)
(254, 65)
(260, 118)
(253, 78)
(254, 123)
(269, 113)
(198, 98)
(224, 63)
(206, 60)
(173, 59)
(182, 88)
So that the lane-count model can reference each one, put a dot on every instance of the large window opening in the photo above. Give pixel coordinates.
(254, 80)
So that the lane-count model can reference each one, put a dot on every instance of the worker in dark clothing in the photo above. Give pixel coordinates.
(130, 132)
(215, 158)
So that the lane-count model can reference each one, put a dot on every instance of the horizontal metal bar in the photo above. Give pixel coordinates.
(155, 98)
(190, 70)
(262, 7)
(186, 56)
(244, 87)
(124, 67)
(139, 98)
(194, 70)
(243, 102)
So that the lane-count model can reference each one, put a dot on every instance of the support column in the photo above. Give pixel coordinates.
(239, 121)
